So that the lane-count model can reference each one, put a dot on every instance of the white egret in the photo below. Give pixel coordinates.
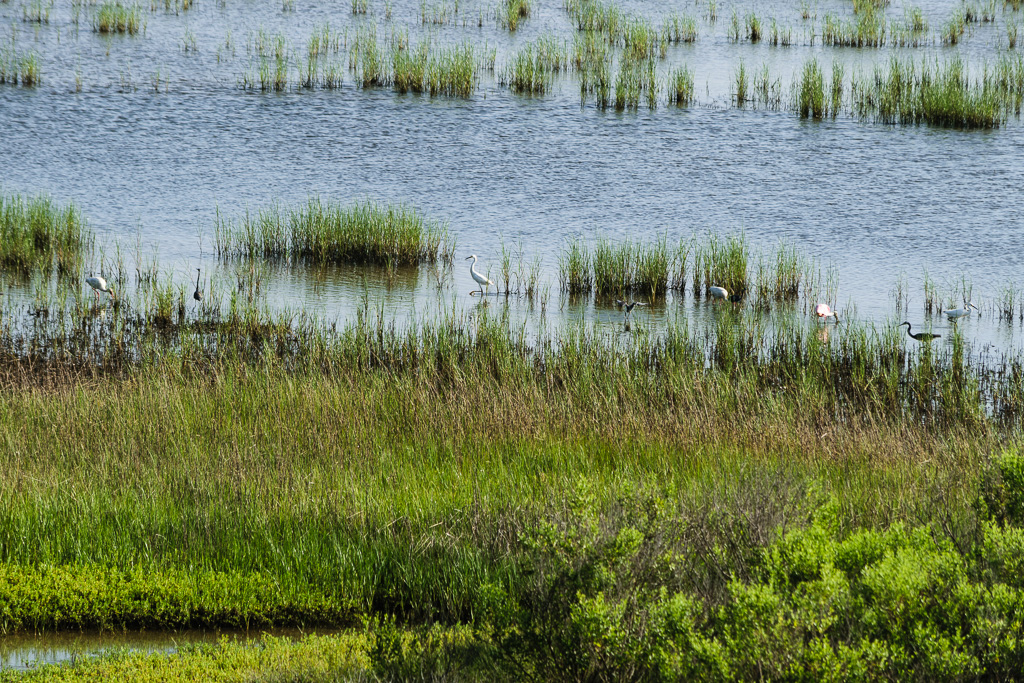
(718, 293)
(197, 295)
(955, 314)
(98, 285)
(823, 311)
(481, 280)
(920, 336)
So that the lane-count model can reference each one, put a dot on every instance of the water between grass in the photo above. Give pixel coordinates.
(22, 652)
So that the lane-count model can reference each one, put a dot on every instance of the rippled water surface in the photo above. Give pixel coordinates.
(151, 140)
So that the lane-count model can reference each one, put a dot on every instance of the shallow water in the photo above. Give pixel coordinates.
(154, 168)
(28, 651)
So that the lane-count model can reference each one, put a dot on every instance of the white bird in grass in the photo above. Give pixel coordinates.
(98, 285)
(481, 280)
(718, 293)
(823, 311)
(955, 314)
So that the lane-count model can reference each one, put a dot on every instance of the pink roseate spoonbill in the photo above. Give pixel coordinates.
(98, 285)
(955, 314)
(920, 336)
(823, 311)
(718, 293)
(481, 279)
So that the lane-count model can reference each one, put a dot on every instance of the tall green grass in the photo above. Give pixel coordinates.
(320, 232)
(532, 68)
(512, 12)
(38, 233)
(936, 93)
(114, 17)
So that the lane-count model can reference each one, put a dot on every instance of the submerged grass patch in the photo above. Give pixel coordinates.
(331, 233)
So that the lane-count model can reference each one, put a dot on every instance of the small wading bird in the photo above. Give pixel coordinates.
(197, 295)
(718, 293)
(481, 280)
(920, 336)
(628, 307)
(823, 311)
(955, 314)
(98, 285)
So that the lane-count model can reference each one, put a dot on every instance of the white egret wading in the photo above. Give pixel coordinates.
(718, 293)
(481, 280)
(955, 314)
(98, 285)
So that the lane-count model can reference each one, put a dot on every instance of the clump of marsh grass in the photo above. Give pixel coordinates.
(575, 269)
(319, 232)
(954, 28)
(37, 11)
(592, 61)
(453, 71)
(779, 36)
(767, 90)
(36, 230)
(367, 58)
(532, 67)
(742, 83)
(752, 27)
(867, 29)
(19, 68)
(628, 268)
(680, 86)
(723, 263)
(938, 93)
(636, 81)
(597, 16)
(678, 28)
(115, 17)
(512, 12)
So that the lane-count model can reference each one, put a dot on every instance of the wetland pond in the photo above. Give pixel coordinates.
(154, 134)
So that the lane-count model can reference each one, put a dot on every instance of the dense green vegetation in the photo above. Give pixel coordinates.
(38, 233)
(330, 233)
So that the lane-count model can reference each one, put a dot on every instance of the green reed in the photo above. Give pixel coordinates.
(596, 16)
(811, 101)
(114, 17)
(512, 12)
(592, 60)
(680, 87)
(767, 90)
(409, 67)
(34, 231)
(936, 93)
(453, 71)
(779, 36)
(741, 83)
(678, 28)
(368, 58)
(319, 232)
(954, 28)
(530, 71)
(574, 269)
(752, 27)
(636, 81)
(641, 41)
(724, 263)
(867, 29)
